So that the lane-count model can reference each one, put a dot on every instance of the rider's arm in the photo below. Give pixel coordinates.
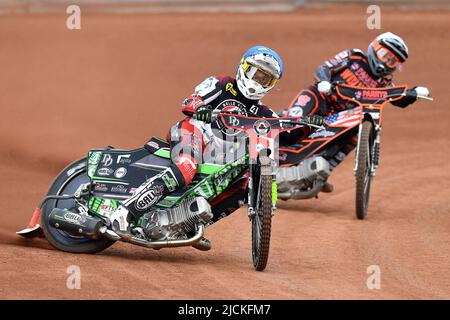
(285, 138)
(403, 102)
(203, 94)
(340, 61)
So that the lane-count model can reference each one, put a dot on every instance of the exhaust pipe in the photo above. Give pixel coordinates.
(75, 223)
(93, 227)
(165, 243)
(301, 195)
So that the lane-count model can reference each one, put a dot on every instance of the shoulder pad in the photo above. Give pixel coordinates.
(207, 86)
(357, 52)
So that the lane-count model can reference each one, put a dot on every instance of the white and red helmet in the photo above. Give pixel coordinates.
(386, 54)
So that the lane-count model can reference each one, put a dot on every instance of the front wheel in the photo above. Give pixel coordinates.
(364, 170)
(68, 182)
(262, 223)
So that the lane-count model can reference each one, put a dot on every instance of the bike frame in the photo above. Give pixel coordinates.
(262, 149)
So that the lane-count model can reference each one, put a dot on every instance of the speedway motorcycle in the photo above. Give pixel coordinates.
(74, 216)
(304, 169)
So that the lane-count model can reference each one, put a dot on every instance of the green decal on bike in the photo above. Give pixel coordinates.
(170, 182)
(102, 206)
(274, 192)
(93, 160)
(163, 153)
(224, 176)
(209, 168)
(205, 190)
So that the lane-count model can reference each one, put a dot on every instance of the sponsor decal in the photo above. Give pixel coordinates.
(206, 86)
(187, 164)
(120, 173)
(322, 134)
(374, 94)
(232, 105)
(153, 144)
(107, 208)
(107, 160)
(233, 121)
(149, 198)
(364, 77)
(169, 181)
(94, 157)
(221, 178)
(196, 145)
(303, 99)
(124, 159)
(74, 218)
(354, 66)
(119, 189)
(358, 78)
(100, 187)
(262, 127)
(295, 112)
(282, 156)
(342, 55)
(104, 171)
(229, 105)
(229, 87)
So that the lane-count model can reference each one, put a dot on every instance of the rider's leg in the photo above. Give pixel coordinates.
(230, 200)
(307, 102)
(185, 153)
(337, 157)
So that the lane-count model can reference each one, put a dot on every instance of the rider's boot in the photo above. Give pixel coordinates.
(327, 187)
(149, 193)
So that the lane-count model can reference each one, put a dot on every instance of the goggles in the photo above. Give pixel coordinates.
(387, 57)
(259, 75)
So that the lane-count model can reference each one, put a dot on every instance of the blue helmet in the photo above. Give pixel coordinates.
(258, 72)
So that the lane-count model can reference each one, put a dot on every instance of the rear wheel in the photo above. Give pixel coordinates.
(68, 182)
(363, 172)
(262, 223)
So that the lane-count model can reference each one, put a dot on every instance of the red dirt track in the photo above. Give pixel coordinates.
(122, 79)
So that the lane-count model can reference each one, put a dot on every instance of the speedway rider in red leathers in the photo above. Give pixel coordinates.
(257, 73)
(385, 55)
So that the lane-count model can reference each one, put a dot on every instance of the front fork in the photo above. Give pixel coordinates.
(266, 166)
(375, 156)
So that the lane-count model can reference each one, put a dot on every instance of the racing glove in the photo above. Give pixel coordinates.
(324, 87)
(203, 113)
(314, 120)
(422, 91)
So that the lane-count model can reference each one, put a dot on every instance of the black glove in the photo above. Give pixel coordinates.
(203, 113)
(313, 119)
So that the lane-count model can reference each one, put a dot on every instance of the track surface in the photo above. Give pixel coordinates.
(122, 78)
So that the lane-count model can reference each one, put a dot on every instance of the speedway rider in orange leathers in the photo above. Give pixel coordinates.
(385, 55)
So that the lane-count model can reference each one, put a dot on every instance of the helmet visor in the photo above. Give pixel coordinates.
(259, 75)
(388, 58)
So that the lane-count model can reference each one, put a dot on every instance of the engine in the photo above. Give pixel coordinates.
(179, 221)
(302, 176)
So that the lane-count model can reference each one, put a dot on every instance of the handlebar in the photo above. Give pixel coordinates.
(407, 93)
